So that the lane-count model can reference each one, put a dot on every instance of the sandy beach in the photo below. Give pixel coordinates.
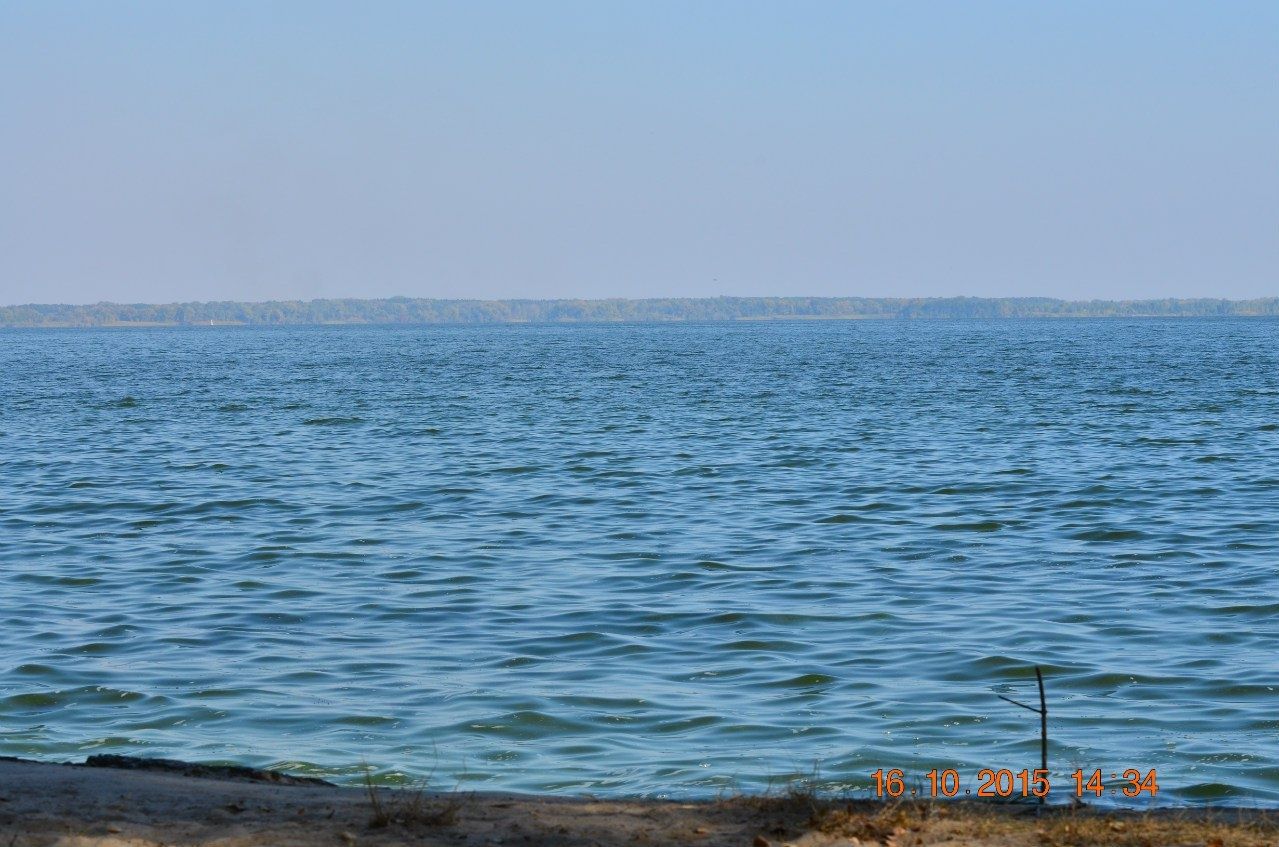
(123, 804)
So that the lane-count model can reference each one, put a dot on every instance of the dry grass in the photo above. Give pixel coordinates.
(413, 806)
(1154, 831)
(875, 821)
(796, 803)
(927, 823)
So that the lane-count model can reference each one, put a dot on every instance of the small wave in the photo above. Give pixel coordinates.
(1109, 535)
(1210, 791)
(528, 725)
(689, 724)
(807, 680)
(366, 721)
(971, 526)
(758, 646)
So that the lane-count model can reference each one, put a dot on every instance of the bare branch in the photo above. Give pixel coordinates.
(1015, 703)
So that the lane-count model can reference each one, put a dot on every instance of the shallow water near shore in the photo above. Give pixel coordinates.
(648, 559)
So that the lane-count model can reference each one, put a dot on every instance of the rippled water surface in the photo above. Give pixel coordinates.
(647, 559)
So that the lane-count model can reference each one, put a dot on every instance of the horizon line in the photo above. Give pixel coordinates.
(683, 299)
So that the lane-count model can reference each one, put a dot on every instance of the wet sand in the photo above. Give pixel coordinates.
(117, 803)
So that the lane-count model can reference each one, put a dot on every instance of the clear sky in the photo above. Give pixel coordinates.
(161, 151)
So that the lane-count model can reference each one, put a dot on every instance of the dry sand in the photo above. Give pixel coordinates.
(48, 804)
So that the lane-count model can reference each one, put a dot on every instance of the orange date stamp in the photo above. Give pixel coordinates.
(1004, 783)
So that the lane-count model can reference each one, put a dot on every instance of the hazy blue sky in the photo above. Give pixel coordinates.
(159, 151)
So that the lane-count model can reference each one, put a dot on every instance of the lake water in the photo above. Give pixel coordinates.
(648, 559)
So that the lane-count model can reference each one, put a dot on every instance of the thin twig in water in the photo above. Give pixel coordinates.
(1042, 711)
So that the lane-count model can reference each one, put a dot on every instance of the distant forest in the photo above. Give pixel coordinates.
(404, 310)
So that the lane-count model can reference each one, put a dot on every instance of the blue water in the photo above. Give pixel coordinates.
(653, 559)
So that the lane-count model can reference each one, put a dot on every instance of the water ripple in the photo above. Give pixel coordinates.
(647, 559)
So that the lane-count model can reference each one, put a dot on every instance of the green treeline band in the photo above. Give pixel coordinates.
(404, 310)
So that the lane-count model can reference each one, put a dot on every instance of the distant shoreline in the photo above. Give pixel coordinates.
(408, 311)
(128, 325)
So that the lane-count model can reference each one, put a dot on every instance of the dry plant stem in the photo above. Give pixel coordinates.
(1043, 722)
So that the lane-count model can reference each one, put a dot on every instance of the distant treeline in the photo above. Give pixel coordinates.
(404, 310)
